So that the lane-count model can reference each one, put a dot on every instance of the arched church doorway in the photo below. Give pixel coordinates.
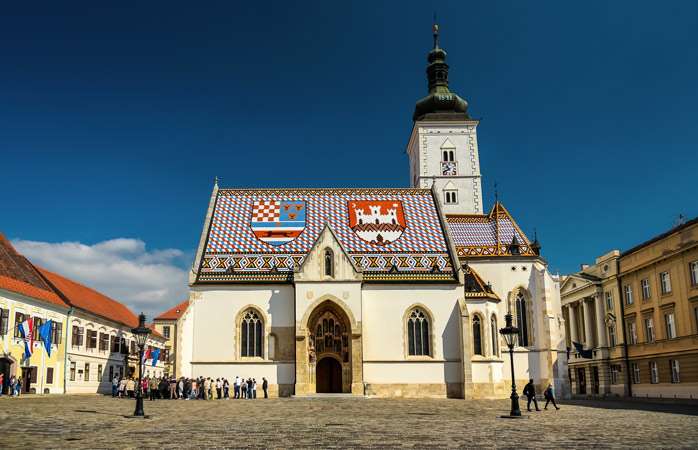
(329, 348)
(328, 376)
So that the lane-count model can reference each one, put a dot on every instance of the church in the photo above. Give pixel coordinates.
(376, 292)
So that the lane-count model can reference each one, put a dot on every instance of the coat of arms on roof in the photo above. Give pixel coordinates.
(379, 222)
(278, 222)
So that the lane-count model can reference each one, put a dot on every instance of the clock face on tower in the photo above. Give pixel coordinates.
(449, 168)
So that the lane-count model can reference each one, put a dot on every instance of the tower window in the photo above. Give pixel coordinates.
(451, 197)
(448, 156)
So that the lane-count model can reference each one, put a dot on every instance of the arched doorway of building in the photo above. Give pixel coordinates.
(329, 348)
(6, 369)
(328, 376)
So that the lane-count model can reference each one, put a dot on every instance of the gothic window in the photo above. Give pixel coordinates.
(477, 336)
(331, 336)
(522, 319)
(329, 263)
(451, 197)
(418, 333)
(251, 334)
(495, 333)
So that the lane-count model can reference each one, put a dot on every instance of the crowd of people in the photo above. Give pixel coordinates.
(13, 385)
(201, 388)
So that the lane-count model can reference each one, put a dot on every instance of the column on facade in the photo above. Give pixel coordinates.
(573, 323)
(588, 322)
(600, 322)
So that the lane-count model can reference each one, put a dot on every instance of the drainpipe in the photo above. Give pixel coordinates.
(65, 352)
(628, 381)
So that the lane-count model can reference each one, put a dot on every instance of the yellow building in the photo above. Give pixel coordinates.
(25, 294)
(659, 283)
(167, 324)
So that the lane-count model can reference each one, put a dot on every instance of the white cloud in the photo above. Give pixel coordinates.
(123, 269)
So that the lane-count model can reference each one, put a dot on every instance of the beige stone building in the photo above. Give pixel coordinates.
(593, 325)
(659, 280)
(167, 324)
(632, 319)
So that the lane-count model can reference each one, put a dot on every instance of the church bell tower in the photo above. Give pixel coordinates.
(443, 148)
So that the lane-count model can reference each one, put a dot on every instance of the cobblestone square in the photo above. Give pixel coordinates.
(99, 422)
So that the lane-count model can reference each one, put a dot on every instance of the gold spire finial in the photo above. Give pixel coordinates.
(435, 30)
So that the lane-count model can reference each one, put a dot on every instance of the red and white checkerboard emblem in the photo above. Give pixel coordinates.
(277, 222)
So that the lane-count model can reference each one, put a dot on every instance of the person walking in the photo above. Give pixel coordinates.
(226, 389)
(219, 389)
(130, 387)
(236, 387)
(265, 386)
(207, 389)
(180, 388)
(530, 392)
(254, 388)
(249, 389)
(122, 387)
(114, 386)
(549, 395)
(153, 389)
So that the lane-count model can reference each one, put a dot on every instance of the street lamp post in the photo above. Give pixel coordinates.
(510, 332)
(141, 334)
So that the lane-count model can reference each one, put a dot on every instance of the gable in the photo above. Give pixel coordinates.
(265, 235)
(313, 267)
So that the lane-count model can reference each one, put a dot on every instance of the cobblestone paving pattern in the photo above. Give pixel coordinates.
(99, 422)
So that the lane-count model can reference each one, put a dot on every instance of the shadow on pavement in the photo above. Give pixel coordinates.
(667, 406)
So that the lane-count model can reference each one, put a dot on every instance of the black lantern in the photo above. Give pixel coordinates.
(140, 333)
(510, 332)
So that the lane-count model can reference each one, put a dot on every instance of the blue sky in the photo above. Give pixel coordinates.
(115, 119)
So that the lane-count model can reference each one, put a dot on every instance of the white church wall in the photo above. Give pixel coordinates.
(385, 308)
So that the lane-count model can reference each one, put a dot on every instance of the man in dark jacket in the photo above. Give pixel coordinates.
(530, 392)
(265, 386)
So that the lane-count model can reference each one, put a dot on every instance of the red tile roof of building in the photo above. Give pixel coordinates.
(90, 300)
(175, 312)
(18, 275)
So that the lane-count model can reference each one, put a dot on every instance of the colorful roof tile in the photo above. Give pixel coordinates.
(266, 234)
(18, 275)
(493, 234)
(175, 312)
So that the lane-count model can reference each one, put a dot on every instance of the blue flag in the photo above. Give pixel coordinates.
(155, 354)
(46, 335)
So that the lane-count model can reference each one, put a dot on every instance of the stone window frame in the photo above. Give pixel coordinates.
(628, 294)
(266, 331)
(645, 289)
(666, 313)
(654, 372)
(693, 273)
(450, 196)
(635, 373)
(405, 333)
(494, 335)
(665, 288)
(476, 316)
(648, 319)
(530, 328)
(675, 371)
(327, 252)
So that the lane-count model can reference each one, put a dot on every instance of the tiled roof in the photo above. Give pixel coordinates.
(175, 312)
(475, 287)
(266, 234)
(480, 235)
(18, 275)
(90, 300)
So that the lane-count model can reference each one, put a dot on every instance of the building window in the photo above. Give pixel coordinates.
(418, 333)
(609, 301)
(87, 372)
(615, 373)
(103, 342)
(674, 364)
(636, 373)
(49, 375)
(654, 373)
(695, 317)
(628, 291)
(670, 325)
(649, 330)
(35, 331)
(612, 335)
(99, 372)
(166, 331)
(251, 334)
(4, 321)
(78, 336)
(448, 156)
(57, 330)
(693, 268)
(477, 336)
(522, 320)
(329, 263)
(451, 197)
(645, 284)
(72, 371)
(91, 339)
(632, 331)
(665, 281)
(494, 331)
(19, 318)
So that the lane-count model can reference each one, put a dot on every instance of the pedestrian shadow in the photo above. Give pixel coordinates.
(687, 408)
